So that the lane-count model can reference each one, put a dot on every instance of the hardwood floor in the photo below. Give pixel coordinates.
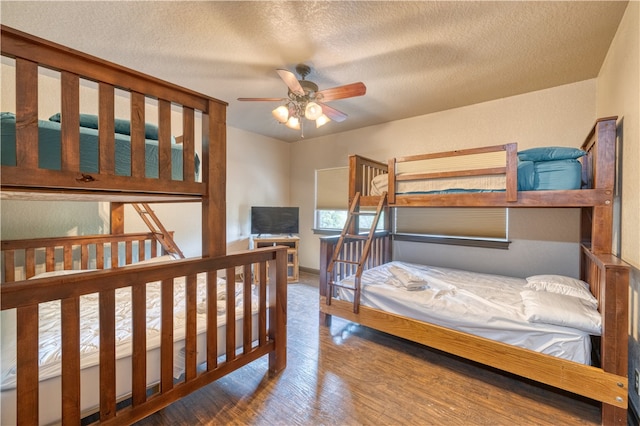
(347, 374)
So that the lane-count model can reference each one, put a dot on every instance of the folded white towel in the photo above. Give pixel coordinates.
(404, 278)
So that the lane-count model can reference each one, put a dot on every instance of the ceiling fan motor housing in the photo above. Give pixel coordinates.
(310, 88)
(305, 101)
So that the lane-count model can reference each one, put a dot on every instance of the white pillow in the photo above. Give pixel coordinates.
(562, 285)
(559, 309)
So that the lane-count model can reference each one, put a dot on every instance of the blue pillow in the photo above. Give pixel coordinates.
(526, 175)
(122, 127)
(559, 174)
(550, 153)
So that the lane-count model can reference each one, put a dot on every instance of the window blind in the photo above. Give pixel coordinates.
(452, 222)
(332, 189)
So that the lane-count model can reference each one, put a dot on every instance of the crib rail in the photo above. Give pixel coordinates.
(25, 297)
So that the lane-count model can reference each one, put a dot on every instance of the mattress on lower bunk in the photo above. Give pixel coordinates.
(511, 310)
(49, 149)
(50, 350)
(532, 176)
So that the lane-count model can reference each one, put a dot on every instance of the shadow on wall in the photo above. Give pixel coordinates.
(37, 219)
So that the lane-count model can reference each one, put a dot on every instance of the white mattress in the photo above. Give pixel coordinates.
(485, 305)
(50, 351)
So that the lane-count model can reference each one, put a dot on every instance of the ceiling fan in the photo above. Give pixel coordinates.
(304, 100)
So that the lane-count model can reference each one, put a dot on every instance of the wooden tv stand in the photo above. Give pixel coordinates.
(292, 252)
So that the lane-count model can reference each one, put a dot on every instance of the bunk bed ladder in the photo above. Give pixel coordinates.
(161, 234)
(351, 231)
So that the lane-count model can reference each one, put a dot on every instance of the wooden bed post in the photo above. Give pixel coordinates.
(614, 351)
(327, 246)
(278, 313)
(604, 132)
(214, 204)
(355, 179)
(117, 218)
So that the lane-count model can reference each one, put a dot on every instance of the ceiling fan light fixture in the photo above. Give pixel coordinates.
(312, 111)
(305, 102)
(322, 120)
(281, 113)
(293, 123)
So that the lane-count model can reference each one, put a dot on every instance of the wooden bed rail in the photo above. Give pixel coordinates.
(31, 52)
(20, 257)
(380, 252)
(25, 296)
(598, 179)
(509, 170)
(361, 172)
(599, 171)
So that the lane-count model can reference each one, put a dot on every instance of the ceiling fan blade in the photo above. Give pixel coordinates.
(262, 99)
(333, 113)
(291, 81)
(342, 92)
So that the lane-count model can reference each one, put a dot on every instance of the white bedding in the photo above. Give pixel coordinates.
(50, 351)
(485, 305)
(380, 183)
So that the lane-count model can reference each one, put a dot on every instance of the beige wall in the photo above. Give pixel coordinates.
(559, 116)
(618, 93)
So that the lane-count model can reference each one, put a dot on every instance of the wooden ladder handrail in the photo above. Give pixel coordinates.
(351, 230)
(159, 231)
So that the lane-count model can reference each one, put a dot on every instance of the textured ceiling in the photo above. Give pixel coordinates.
(414, 57)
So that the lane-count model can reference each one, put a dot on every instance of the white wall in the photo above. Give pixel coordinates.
(559, 116)
(618, 93)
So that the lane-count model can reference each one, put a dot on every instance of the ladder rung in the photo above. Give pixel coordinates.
(364, 213)
(335, 284)
(351, 262)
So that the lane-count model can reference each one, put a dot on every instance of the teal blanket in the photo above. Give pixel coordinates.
(49, 150)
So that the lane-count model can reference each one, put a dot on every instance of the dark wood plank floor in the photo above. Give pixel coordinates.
(347, 374)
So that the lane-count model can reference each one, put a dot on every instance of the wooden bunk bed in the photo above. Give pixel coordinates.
(607, 275)
(37, 272)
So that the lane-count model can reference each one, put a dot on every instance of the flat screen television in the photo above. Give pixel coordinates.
(274, 220)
